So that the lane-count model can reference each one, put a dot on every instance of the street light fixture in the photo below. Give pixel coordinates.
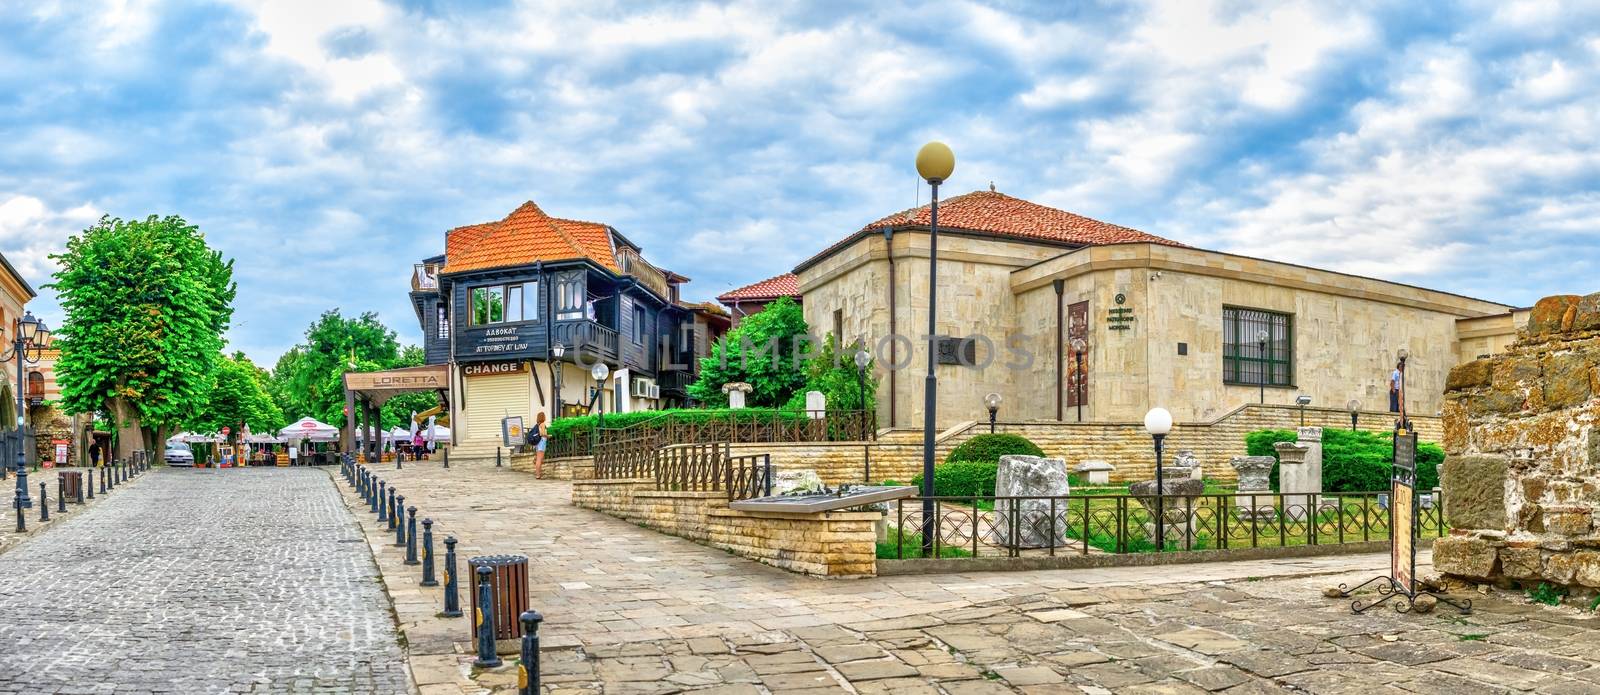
(557, 351)
(1079, 346)
(1354, 406)
(1158, 422)
(935, 163)
(1302, 400)
(32, 338)
(993, 402)
(1261, 340)
(599, 372)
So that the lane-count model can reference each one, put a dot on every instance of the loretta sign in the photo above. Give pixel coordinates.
(404, 379)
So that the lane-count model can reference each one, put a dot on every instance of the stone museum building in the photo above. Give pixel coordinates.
(521, 308)
(1062, 314)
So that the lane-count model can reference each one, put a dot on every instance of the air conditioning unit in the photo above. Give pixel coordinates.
(645, 388)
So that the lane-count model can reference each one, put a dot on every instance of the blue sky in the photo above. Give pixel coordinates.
(328, 145)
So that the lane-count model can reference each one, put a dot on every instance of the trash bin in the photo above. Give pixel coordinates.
(509, 586)
(69, 483)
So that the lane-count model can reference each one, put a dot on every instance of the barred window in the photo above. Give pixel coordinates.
(1246, 358)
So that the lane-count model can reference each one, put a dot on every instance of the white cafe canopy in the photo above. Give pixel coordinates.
(308, 428)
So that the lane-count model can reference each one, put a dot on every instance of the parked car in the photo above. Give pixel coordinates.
(179, 455)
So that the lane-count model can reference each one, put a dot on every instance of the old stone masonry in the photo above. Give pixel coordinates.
(200, 581)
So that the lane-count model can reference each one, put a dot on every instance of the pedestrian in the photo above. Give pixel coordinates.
(416, 446)
(540, 438)
(1394, 389)
(94, 455)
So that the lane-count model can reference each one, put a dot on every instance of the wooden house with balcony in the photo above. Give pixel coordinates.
(522, 308)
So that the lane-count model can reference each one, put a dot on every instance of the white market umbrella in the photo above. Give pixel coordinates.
(309, 428)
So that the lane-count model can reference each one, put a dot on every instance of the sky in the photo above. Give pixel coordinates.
(328, 145)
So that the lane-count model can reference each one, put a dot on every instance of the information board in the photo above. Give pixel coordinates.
(511, 431)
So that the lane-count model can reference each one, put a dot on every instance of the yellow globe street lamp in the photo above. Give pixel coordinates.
(935, 163)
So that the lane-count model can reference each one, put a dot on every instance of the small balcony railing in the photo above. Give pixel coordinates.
(589, 336)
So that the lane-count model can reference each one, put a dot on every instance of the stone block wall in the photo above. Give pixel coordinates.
(827, 544)
(1522, 454)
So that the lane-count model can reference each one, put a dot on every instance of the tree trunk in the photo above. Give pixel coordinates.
(129, 434)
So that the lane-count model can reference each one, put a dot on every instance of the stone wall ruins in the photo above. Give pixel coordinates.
(1521, 475)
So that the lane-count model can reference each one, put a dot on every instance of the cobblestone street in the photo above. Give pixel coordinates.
(200, 581)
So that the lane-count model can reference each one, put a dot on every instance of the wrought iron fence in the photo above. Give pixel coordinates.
(1084, 524)
(687, 467)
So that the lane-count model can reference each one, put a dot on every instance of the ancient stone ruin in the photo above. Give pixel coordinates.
(1029, 476)
(1521, 476)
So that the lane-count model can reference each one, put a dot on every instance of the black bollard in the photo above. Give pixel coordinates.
(22, 521)
(427, 554)
(91, 483)
(389, 514)
(44, 504)
(528, 670)
(411, 536)
(447, 457)
(79, 500)
(398, 460)
(102, 480)
(497, 457)
(486, 656)
(380, 506)
(452, 596)
(61, 498)
(398, 524)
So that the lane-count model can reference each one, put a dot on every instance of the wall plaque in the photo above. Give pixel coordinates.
(491, 368)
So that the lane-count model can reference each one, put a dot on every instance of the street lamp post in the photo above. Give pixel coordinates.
(599, 372)
(557, 351)
(32, 336)
(1302, 401)
(1261, 340)
(992, 401)
(1158, 422)
(935, 162)
(1079, 346)
(1354, 406)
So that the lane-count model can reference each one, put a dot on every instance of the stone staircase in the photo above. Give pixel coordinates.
(471, 452)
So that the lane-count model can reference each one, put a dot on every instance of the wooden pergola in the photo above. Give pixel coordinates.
(369, 391)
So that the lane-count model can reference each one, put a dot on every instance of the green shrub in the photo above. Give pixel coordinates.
(583, 426)
(962, 479)
(990, 447)
(1353, 461)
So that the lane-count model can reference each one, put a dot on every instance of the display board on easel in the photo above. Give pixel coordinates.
(1401, 582)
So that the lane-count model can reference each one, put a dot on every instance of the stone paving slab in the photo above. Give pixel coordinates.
(629, 610)
(200, 581)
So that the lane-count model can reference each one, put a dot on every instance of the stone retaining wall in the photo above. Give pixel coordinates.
(1522, 454)
(827, 544)
(563, 468)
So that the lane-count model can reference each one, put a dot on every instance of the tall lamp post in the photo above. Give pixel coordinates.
(1079, 346)
(935, 162)
(1158, 422)
(1302, 401)
(1261, 342)
(1354, 406)
(599, 372)
(557, 351)
(28, 345)
(992, 401)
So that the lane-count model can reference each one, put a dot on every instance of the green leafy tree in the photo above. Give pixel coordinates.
(147, 303)
(767, 350)
(240, 398)
(308, 379)
(833, 372)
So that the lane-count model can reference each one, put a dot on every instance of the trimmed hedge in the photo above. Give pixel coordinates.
(962, 479)
(988, 448)
(583, 425)
(1353, 461)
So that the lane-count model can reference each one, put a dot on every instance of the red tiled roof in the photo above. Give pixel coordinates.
(990, 212)
(524, 236)
(785, 285)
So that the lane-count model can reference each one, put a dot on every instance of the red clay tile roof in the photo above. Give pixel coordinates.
(990, 212)
(524, 236)
(785, 285)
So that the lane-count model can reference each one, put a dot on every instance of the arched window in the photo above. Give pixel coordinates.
(36, 384)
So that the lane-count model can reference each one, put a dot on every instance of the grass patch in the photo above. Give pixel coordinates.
(1594, 605)
(1547, 594)
(1473, 637)
(911, 545)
